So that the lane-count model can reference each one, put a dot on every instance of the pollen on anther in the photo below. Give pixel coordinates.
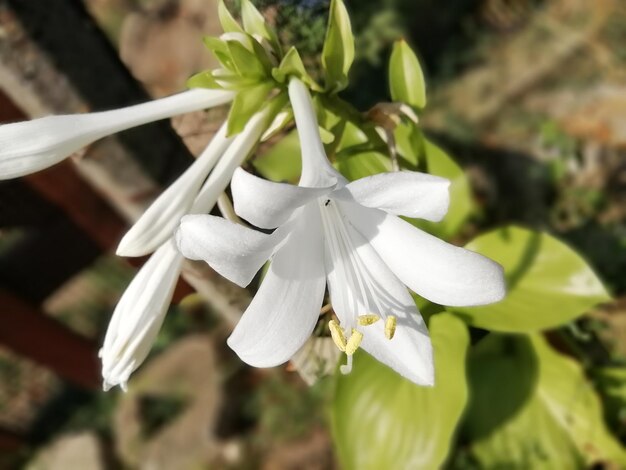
(354, 342)
(390, 326)
(337, 335)
(368, 319)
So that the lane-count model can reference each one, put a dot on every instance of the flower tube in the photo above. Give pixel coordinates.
(30, 146)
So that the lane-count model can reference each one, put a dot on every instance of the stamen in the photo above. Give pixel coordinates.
(347, 367)
(354, 342)
(368, 319)
(337, 334)
(390, 326)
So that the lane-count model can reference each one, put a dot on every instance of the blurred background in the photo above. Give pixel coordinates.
(529, 96)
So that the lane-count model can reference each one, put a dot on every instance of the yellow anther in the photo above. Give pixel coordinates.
(369, 319)
(354, 342)
(390, 326)
(337, 334)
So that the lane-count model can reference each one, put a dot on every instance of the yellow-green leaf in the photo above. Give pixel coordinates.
(359, 165)
(246, 62)
(548, 283)
(382, 421)
(202, 80)
(292, 66)
(282, 161)
(461, 200)
(553, 421)
(246, 103)
(229, 25)
(254, 23)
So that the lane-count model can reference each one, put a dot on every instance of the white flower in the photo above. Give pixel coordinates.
(142, 308)
(139, 315)
(30, 146)
(346, 235)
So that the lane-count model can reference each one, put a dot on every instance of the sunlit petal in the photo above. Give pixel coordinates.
(361, 284)
(267, 204)
(26, 147)
(316, 170)
(284, 311)
(407, 193)
(234, 251)
(440, 272)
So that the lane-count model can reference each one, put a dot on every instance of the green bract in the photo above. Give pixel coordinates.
(406, 79)
(338, 52)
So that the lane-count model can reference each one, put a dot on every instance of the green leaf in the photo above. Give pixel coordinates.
(282, 161)
(246, 103)
(461, 200)
(406, 79)
(254, 23)
(229, 25)
(202, 80)
(548, 283)
(246, 62)
(611, 382)
(338, 51)
(352, 136)
(292, 66)
(503, 373)
(409, 142)
(555, 422)
(359, 165)
(381, 420)
(220, 51)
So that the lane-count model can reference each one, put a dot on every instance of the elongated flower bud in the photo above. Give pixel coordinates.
(139, 315)
(30, 146)
(160, 220)
(142, 308)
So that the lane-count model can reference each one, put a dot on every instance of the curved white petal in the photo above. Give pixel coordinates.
(284, 311)
(360, 283)
(160, 220)
(241, 146)
(26, 147)
(316, 170)
(139, 315)
(440, 272)
(267, 204)
(407, 193)
(234, 251)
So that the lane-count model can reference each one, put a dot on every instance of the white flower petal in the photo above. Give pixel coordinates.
(407, 193)
(284, 311)
(234, 156)
(440, 272)
(234, 251)
(160, 220)
(26, 147)
(267, 204)
(316, 170)
(360, 283)
(139, 315)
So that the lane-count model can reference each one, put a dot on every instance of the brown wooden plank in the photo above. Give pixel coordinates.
(62, 186)
(34, 334)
